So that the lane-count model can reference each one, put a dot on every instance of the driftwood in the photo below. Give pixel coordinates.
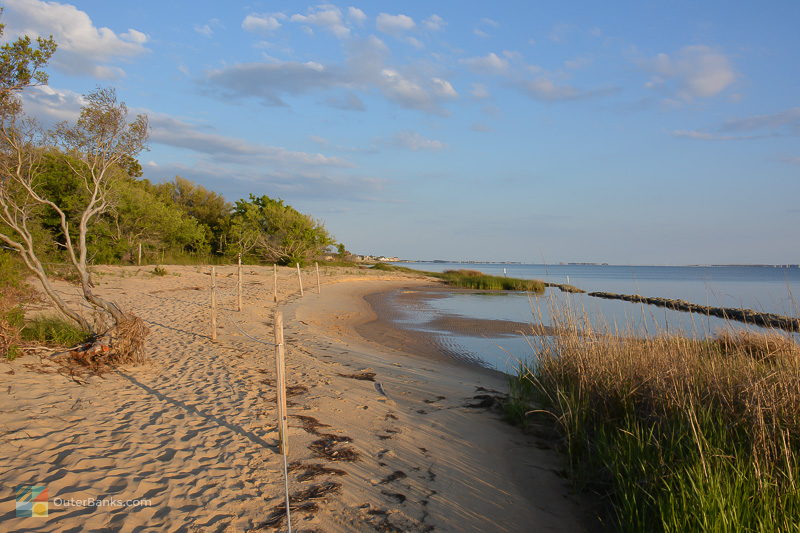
(748, 316)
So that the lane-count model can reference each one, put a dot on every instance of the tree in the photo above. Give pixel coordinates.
(279, 232)
(21, 64)
(95, 146)
(208, 207)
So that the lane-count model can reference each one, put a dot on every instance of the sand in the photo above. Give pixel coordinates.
(193, 430)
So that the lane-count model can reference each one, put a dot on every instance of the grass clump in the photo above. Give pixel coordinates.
(676, 434)
(159, 271)
(472, 279)
(53, 331)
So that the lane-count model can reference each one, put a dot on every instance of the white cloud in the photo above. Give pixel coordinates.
(204, 30)
(693, 72)
(490, 22)
(325, 16)
(262, 23)
(394, 24)
(479, 91)
(366, 67)
(414, 141)
(356, 15)
(83, 48)
(443, 88)
(480, 33)
(489, 64)
(416, 43)
(434, 23)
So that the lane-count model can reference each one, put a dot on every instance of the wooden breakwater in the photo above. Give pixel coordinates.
(748, 316)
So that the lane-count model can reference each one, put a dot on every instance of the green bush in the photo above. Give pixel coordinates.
(53, 331)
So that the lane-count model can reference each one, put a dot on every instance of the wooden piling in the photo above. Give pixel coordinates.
(299, 278)
(213, 303)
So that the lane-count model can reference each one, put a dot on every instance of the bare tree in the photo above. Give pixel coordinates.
(99, 142)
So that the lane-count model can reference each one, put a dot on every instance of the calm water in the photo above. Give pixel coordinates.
(766, 289)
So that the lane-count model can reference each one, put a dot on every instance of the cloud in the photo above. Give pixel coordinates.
(693, 72)
(792, 161)
(414, 141)
(434, 23)
(787, 120)
(394, 24)
(480, 127)
(270, 81)
(781, 124)
(366, 67)
(262, 23)
(325, 16)
(490, 22)
(489, 64)
(83, 48)
(347, 102)
(171, 131)
(204, 30)
(356, 15)
(480, 33)
(706, 136)
(546, 89)
(479, 91)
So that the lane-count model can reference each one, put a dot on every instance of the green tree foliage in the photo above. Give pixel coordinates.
(208, 207)
(21, 64)
(276, 232)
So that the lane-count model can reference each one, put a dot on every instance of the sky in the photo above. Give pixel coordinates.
(629, 132)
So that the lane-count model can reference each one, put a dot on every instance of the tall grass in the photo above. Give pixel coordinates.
(53, 331)
(676, 434)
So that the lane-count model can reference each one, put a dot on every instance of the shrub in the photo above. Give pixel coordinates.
(53, 331)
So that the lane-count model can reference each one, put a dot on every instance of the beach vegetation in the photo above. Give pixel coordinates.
(54, 330)
(471, 279)
(675, 434)
(276, 232)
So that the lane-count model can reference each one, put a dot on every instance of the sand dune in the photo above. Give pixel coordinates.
(193, 431)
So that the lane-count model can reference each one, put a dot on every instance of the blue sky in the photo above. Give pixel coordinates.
(625, 132)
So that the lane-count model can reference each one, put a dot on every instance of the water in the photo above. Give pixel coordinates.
(765, 289)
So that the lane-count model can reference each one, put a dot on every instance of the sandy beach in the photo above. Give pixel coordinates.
(381, 437)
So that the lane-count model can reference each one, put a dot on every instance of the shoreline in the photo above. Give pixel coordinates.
(194, 430)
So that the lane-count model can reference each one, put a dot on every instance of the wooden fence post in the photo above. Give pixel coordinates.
(239, 286)
(299, 278)
(139, 262)
(275, 283)
(319, 286)
(213, 303)
(280, 381)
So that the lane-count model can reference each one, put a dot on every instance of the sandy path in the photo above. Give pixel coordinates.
(194, 432)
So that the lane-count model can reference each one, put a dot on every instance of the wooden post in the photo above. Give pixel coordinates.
(319, 286)
(239, 286)
(280, 381)
(213, 303)
(299, 278)
(275, 283)
(139, 262)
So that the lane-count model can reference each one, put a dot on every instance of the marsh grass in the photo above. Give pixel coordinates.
(472, 279)
(676, 434)
(53, 331)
